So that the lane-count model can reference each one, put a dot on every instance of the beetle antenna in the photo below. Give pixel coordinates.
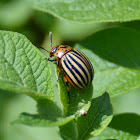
(50, 34)
(44, 49)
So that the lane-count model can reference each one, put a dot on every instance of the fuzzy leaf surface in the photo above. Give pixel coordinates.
(90, 11)
(22, 67)
(98, 117)
(119, 128)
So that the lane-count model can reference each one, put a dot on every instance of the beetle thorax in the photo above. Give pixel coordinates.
(59, 51)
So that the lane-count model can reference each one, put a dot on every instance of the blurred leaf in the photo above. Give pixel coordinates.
(98, 117)
(46, 22)
(74, 31)
(14, 14)
(23, 67)
(90, 11)
(123, 126)
(129, 102)
(114, 54)
(69, 131)
(11, 108)
(36, 120)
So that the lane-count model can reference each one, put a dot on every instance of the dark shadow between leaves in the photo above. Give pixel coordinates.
(28, 117)
(48, 109)
(37, 120)
(68, 131)
(127, 122)
(116, 45)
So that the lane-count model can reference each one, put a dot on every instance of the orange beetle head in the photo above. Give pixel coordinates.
(53, 51)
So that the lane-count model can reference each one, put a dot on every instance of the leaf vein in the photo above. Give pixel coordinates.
(35, 82)
(93, 121)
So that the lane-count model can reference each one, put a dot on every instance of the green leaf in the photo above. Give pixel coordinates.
(78, 99)
(48, 109)
(98, 117)
(127, 102)
(49, 114)
(11, 87)
(114, 54)
(90, 11)
(10, 14)
(36, 120)
(24, 70)
(23, 67)
(69, 131)
(123, 126)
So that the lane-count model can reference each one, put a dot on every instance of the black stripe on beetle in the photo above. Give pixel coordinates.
(82, 65)
(91, 70)
(72, 74)
(73, 64)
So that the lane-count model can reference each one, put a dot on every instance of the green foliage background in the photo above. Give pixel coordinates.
(107, 31)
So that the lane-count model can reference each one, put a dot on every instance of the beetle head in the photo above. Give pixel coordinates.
(53, 51)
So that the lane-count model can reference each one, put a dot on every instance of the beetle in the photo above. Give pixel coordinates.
(77, 68)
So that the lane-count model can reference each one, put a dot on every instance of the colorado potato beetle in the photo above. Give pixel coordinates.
(77, 68)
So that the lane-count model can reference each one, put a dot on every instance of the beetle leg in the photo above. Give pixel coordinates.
(68, 91)
(52, 60)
